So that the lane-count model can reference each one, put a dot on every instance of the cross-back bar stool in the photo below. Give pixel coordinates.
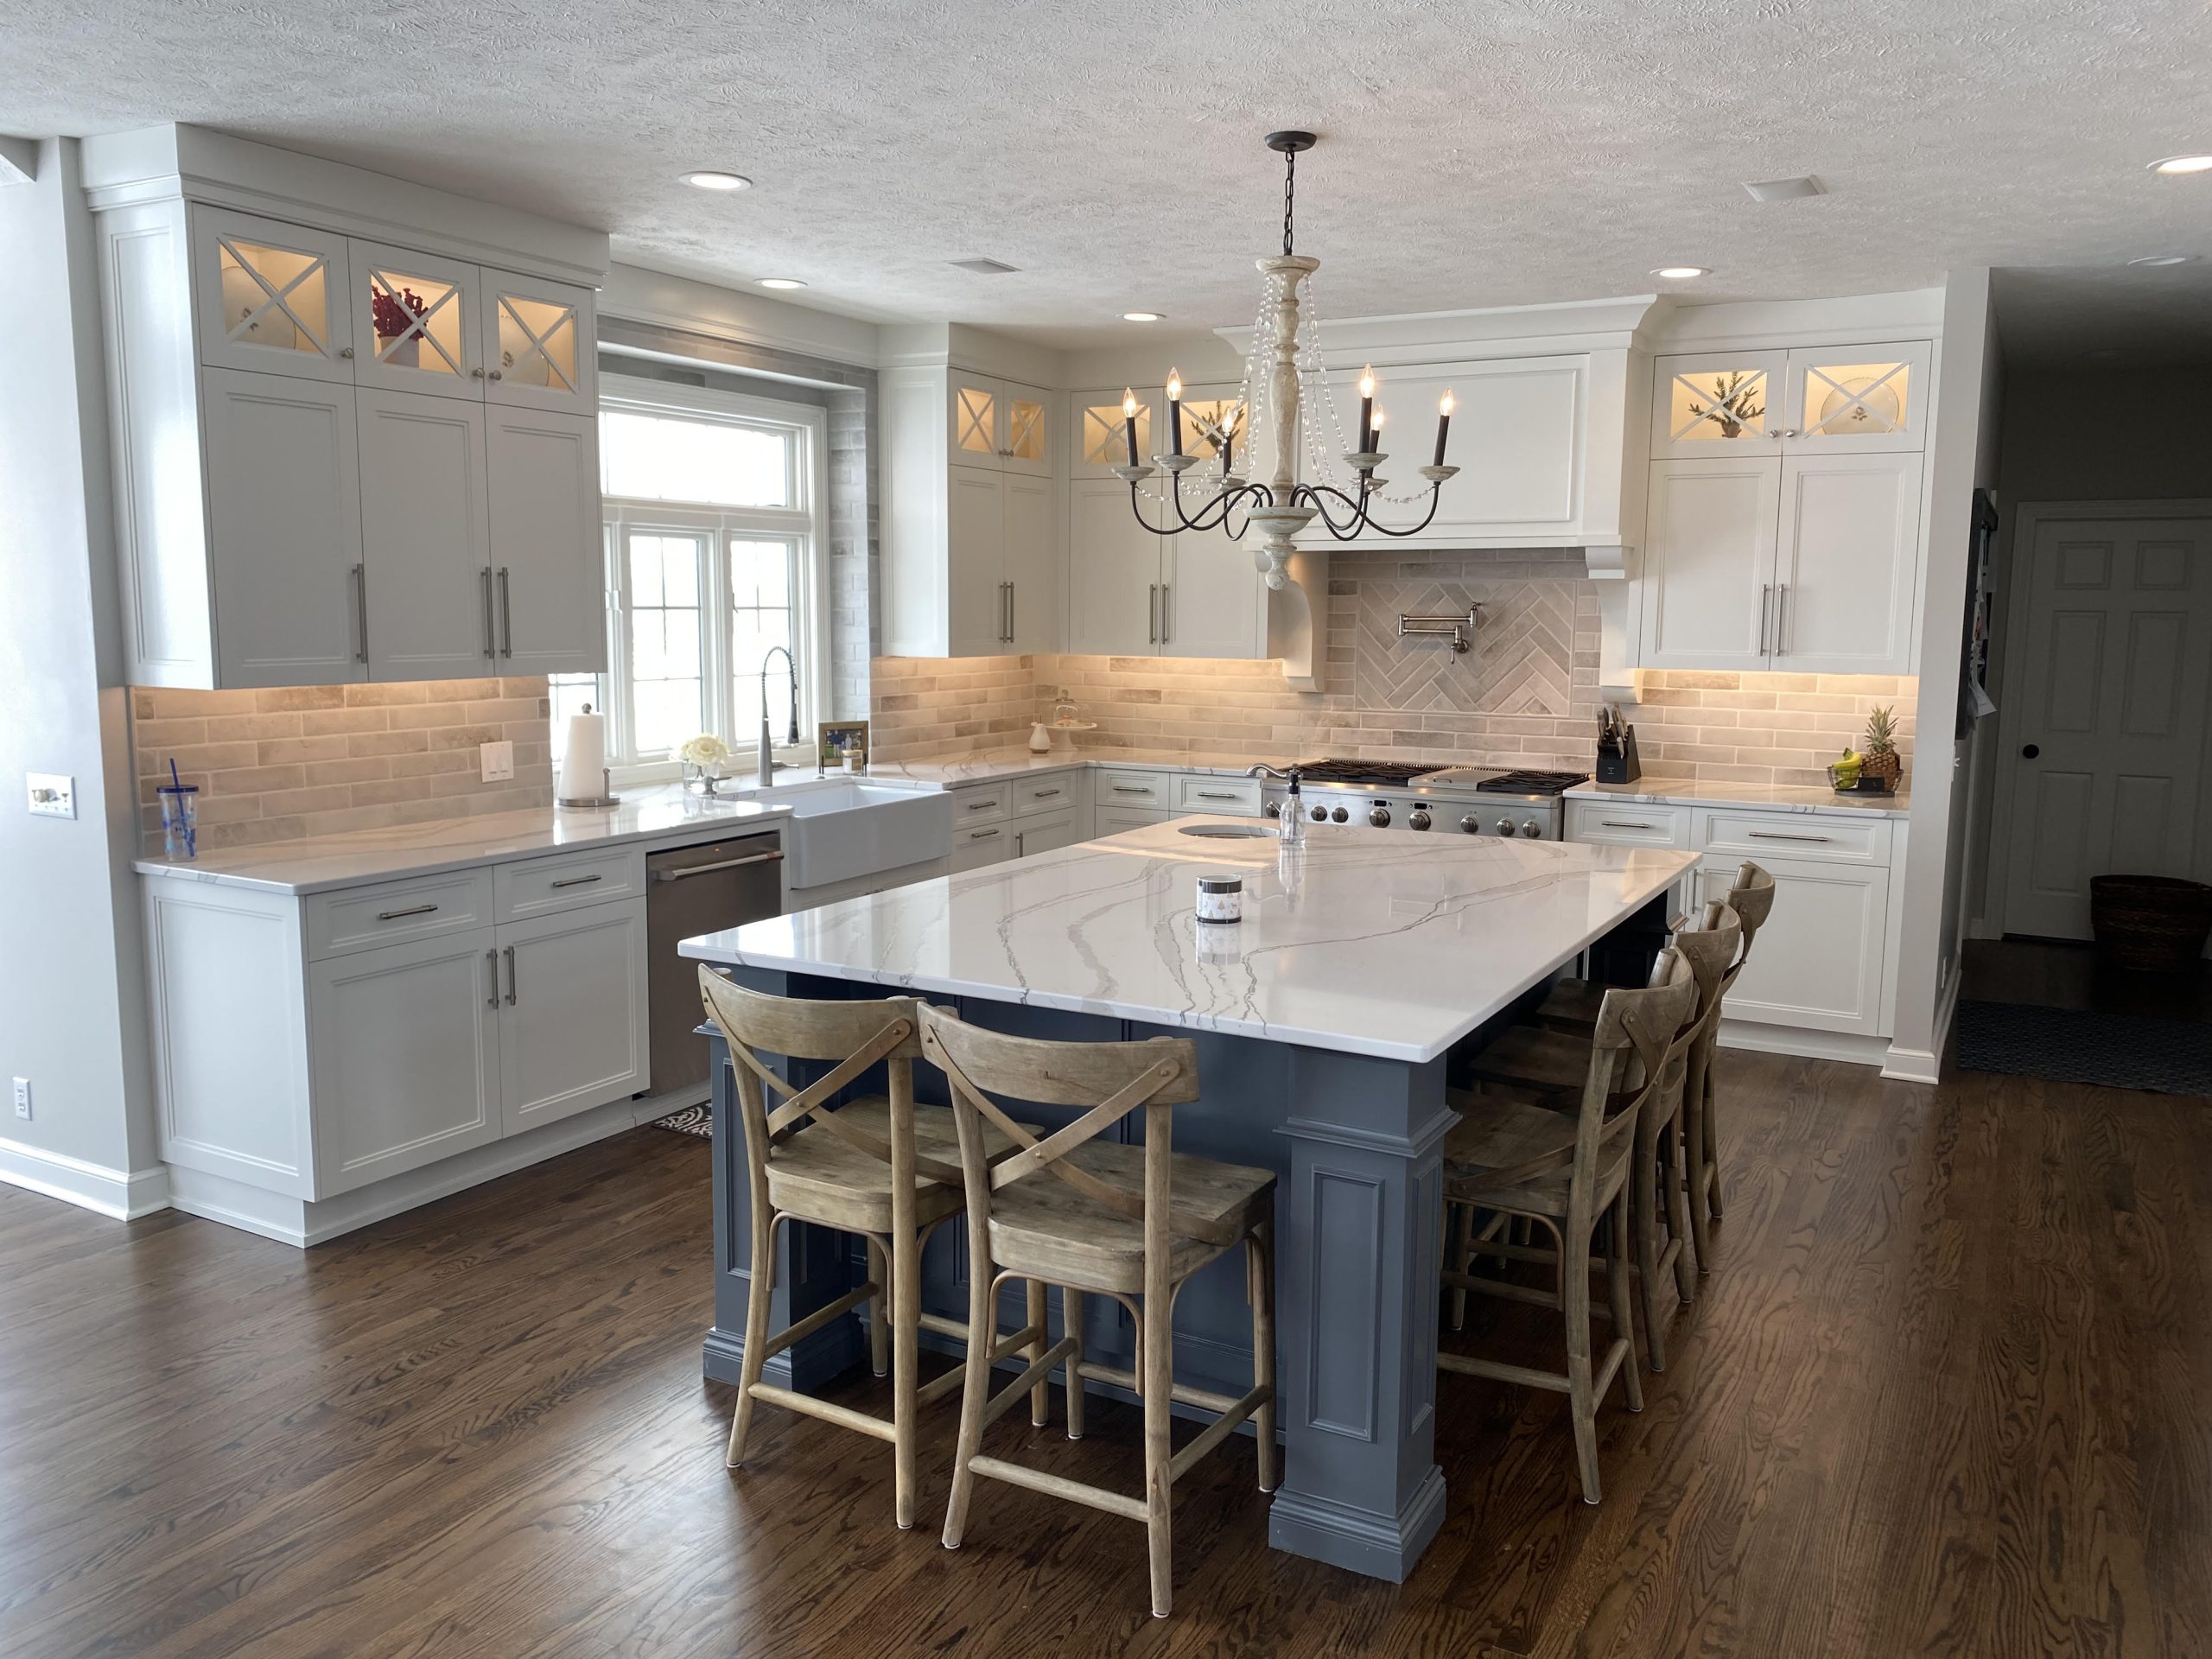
(1099, 1217)
(879, 1166)
(1549, 1066)
(1569, 1174)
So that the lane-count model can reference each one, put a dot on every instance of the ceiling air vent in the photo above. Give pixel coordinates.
(986, 267)
(1785, 189)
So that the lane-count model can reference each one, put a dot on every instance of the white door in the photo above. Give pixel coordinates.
(1708, 404)
(1100, 432)
(1043, 835)
(573, 1025)
(549, 575)
(418, 322)
(271, 297)
(1025, 429)
(538, 344)
(1708, 562)
(1842, 399)
(1032, 564)
(974, 549)
(1113, 570)
(2104, 708)
(1213, 601)
(1847, 555)
(284, 529)
(403, 1047)
(426, 537)
(1817, 964)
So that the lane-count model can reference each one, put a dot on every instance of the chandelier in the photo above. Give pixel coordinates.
(1289, 343)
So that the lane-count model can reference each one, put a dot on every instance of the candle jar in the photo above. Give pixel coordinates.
(1221, 899)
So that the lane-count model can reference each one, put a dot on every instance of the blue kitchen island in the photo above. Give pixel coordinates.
(1323, 1020)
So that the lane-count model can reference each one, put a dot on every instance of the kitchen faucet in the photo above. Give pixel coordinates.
(765, 762)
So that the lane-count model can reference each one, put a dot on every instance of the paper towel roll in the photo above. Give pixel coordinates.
(583, 763)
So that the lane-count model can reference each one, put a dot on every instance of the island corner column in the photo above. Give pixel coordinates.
(1356, 1289)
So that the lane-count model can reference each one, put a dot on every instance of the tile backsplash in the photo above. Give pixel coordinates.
(284, 762)
(1762, 728)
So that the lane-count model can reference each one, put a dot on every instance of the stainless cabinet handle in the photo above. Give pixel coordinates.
(361, 610)
(1624, 823)
(981, 806)
(509, 953)
(1130, 789)
(1167, 626)
(394, 915)
(1781, 834)
(491, 637)
(507, 616)
(575, 881)
(1010, 629)
(1043, 794)
(1216, 794)
(689, 871)
(492, 971)
(1766, 594)
(1152, 614)
(981, 835)
(1780, 619)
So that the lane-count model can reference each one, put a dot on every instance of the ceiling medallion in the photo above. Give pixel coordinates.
(1285, 505)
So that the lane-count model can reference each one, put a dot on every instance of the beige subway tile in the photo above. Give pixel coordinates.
(433, 763)
(327, 722)
(362, 743)
(230, 729)
(282, 750)
(256, 833)
(1691, 679)
(460, 690)
(388, 791)
(419, 716)
(351, 771)
(254, 780)
(1884, 685)
(294, 803)
(293, 699)
(147, 736)
(175, 702)
(208, 757)
(498, 710)
(514, 685)
(384, 696)
(460, 737)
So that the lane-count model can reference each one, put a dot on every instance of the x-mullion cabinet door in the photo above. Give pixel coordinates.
(416, 318)
(537, 348)
(271, 297)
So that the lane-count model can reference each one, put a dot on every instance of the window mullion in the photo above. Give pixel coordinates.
(714, 638)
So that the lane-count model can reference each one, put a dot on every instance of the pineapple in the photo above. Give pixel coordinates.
(1880, 751)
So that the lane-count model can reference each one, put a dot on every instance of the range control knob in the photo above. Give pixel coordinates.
(1420, 819)
(1340, 815)
(1269, 810)
(1531, 829)
(1471, 824)
(1379, 815)
(1505, 826)
(1321, 814)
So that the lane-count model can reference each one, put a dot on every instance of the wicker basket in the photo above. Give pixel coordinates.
(2151, 924)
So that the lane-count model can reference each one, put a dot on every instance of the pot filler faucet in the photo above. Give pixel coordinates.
(765, 762)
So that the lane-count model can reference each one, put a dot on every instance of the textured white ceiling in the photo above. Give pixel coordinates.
(1487, 153)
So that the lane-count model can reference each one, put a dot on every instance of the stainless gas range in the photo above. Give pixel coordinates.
(1463, 800)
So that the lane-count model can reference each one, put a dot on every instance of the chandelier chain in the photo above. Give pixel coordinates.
(1289, 195)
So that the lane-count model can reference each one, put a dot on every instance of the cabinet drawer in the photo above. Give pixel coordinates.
(361, 918)
(537, 887)
(1795, 834)
(1054, 794)
(1627, 823)
(1232, 795)
(979, 803)
(975, 845)
(1113, 820)
(1155, 790)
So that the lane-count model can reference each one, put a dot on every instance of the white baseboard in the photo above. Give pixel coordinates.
(302, 1222)
(1926, 1065)
(1847, 1046)
(125, 1195)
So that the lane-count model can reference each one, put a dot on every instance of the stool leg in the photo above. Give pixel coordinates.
(759, 1294)
(1644, 1213)
(905, 1326)
(1712, 1139)
(1699, 1154)
(1617, 1295)
(1260, 1253)
(1581, 1402)
(879, 1315)
(976, 1388)
(1678, 1211)
(1040, 1397)
(1072, 1315)
(1461, 1234)
(1158, 1385)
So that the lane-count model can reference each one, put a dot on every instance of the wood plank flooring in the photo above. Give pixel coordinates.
(1943, 1395)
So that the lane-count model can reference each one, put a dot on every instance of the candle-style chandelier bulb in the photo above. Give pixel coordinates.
(1175, 385)
(1444, 404)
(1367, 381)
(1128, 404)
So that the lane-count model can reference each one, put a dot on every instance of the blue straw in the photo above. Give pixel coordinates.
(174, 778)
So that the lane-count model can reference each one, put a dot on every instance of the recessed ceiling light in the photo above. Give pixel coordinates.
(986, 267)
(1680, 273)
(781, 281)
(1142, 316)
(712, 181)
(1785, 189)
(2182, 164)
(2162, 259)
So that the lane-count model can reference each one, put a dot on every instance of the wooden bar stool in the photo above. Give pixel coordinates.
(1091, 1216)
(1550, 1067)
(1570, 1174)
(883, 1169)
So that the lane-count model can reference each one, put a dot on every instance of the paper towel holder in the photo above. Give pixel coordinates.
(606, 797)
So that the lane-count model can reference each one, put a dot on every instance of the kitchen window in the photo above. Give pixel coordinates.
(715, 555)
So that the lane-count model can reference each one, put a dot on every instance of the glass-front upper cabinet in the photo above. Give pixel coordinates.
(998, 425)
(537, 338)
(270, 296)
(1708, 404)
(416, 315)
(1102, 430)
(1847, 397)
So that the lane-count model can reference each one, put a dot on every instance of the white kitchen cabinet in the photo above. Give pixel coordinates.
(1031, 561)
(1708, 562)
(1708, 404)
(403, 1049)
(1847, 553)
(1042, 834)
(283, 549)
(1016, 816)
(997, 424)
(548, 574)
(1818, 963)
(426, 549)
(1101, 433)
(573, 1025)
(1134, 593)
(253, 514)
(975, 846)
(1846, 399)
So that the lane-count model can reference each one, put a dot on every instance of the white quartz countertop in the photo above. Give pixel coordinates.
(1778, 797)
(320, 862)
(949, 772)
(1385, 943)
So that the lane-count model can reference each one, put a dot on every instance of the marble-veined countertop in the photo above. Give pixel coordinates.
(1777, 797)
(1384, 943)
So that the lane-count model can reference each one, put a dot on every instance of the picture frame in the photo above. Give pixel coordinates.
(835, 739)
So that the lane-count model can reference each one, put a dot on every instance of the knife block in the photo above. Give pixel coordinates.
(1619, 765)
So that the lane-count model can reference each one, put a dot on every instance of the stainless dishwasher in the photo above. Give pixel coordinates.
(690, 890)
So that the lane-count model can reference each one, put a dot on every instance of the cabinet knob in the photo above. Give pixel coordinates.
(345, 351)
(476, 374)
(494, 375)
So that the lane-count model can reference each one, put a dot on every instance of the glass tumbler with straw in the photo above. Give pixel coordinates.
(180, 816)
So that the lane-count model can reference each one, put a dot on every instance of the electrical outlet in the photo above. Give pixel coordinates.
(24, 1099)
(498, 760)
(53, 795)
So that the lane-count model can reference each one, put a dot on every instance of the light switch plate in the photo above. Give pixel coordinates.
(53, 795)
(498, 760)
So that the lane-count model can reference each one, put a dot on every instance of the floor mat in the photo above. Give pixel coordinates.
(692, 1120)
(2113, 1051)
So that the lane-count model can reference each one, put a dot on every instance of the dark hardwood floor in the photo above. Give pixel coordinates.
(1944, 1395)
(2056, 974)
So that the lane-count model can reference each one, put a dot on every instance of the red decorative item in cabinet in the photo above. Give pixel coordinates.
(394, 317)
